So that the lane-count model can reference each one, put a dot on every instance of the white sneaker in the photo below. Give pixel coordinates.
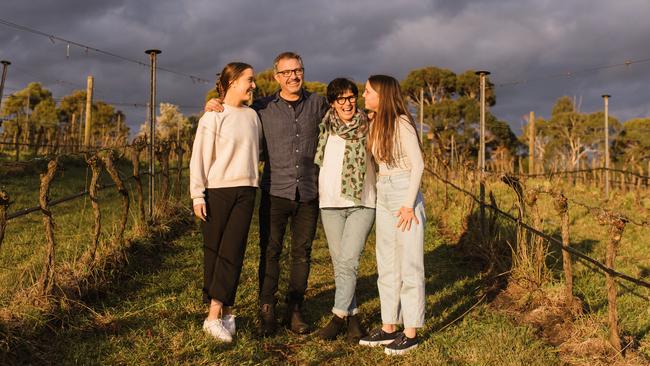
(216, 329)
(229, 323)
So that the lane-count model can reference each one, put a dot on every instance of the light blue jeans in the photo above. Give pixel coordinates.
(346, 230)
(400, 255)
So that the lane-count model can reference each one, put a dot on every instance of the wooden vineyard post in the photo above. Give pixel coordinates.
(162, 153)
(562, 207)
(179, 173)
(89, 102)
(109, 158)
(531, 143)
(46, 281)
(616, 226)
(4, 205)
(136, 149)
(96, 166)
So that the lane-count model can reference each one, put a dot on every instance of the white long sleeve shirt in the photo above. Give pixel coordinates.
(225, 151)
(408, 158)
(329, 178)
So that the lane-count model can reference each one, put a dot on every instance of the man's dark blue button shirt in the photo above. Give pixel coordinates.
(289, 146)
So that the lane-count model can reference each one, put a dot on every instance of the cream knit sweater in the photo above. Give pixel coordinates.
(225, 151)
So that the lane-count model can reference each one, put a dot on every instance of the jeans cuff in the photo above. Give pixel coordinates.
(340, 313)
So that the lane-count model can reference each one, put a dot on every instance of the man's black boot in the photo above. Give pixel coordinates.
(267, 319)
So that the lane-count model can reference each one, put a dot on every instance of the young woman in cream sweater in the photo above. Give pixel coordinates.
(223, 181)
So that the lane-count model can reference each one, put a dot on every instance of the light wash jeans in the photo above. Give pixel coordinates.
(400, 255)
(347, 230)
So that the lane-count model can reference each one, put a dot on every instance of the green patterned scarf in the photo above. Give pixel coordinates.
(354, 133)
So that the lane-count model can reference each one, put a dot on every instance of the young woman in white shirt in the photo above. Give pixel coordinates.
(223, 181)
(400, 217)
(346, 191)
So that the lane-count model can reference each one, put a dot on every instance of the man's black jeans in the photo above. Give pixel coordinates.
(275, 213)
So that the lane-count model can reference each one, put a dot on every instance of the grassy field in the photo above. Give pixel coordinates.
(149, 312)
(23, 250)
(590, 237)
(152, 314)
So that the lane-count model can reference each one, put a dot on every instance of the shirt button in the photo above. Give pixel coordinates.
(296, 150)
(297, 135)
(298, 180)
(296, 120)
(297, 166)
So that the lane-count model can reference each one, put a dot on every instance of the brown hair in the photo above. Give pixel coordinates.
(286, 55)
(229, 74)
(384, 129)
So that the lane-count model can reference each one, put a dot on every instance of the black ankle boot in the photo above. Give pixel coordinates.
(267, 319)
(355, 329)
(332, 329)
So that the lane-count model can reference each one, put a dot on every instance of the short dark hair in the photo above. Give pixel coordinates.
(286, 55)
(339, 86)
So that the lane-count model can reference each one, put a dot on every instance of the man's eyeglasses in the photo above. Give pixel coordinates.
(341, 100)
(287, 73)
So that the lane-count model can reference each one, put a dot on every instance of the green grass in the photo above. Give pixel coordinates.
(591, 238)
(150, 311)
(23, 250)
(152, 314)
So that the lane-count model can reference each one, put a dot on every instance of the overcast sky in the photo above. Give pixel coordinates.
(514, 39)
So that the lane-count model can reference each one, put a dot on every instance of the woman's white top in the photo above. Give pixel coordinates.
(329, 178)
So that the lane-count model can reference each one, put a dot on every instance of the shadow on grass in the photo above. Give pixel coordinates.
(554, 258)
(37, 344)
(453, 285)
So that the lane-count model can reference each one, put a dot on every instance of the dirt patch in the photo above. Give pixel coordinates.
(580, 339)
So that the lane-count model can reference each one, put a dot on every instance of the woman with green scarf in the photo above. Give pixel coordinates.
(346, 187)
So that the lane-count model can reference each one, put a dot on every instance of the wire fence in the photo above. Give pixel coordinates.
(530, 230)
(169, 193)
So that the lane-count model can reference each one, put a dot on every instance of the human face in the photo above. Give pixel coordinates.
(292, 83)
(346, 110)
(242, 88)
(371, 97)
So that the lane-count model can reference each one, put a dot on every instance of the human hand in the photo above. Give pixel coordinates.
(406, 215)
(200, 211)
(214, 105)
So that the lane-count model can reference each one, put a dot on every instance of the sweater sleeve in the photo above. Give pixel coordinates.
(202, 156)
(411, 148)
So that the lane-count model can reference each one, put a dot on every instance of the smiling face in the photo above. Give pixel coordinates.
(289, 75)
(345, 105)
(242, 88)
(371, 97)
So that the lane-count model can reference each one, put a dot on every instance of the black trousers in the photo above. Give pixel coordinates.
(225, 233)
(275, 213)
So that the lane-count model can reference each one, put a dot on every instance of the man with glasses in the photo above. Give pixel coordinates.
(290, 120)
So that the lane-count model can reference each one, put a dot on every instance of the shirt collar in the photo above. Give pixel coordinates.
(304, 94)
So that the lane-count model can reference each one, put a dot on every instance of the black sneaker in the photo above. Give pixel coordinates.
(401, 345)
(378, 337)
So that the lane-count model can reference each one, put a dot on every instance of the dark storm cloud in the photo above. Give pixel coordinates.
(515, 39)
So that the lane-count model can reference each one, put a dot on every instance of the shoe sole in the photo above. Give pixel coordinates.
(217, 338)
(399, 352)
(375, 343)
